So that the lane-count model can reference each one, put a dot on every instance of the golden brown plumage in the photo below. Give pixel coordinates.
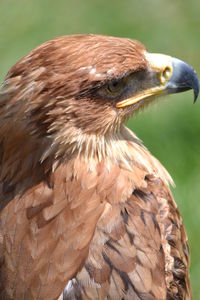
(83, 203)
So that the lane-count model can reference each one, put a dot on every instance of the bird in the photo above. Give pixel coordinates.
(86, 211)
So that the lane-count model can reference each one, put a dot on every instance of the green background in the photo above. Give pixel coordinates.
(171, 128)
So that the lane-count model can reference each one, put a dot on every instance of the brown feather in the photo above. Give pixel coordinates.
(82, 202)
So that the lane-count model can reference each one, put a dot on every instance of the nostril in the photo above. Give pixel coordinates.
(166, 74)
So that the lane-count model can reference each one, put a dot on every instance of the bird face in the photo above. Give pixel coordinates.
(162, 75)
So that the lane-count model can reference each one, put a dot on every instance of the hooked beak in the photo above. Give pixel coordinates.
(172, 76)
(183, 78)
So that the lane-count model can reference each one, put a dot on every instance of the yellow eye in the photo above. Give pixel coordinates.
(114, 86)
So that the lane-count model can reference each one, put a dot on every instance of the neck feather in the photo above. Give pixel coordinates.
(121, 147)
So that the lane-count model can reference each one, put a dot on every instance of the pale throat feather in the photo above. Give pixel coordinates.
(121, 148)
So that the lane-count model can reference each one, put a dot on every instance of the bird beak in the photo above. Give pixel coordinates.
(172, 76)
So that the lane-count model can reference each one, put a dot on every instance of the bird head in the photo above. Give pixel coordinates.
(77, 87)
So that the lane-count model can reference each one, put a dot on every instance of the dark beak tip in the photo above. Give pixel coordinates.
(184, 78)
(196, 88)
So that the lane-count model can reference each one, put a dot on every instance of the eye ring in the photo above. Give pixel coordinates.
(114, 86)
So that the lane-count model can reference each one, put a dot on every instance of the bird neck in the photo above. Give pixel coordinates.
(26, 156)
(121, 148)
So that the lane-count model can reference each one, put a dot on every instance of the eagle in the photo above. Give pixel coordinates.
(86, 211)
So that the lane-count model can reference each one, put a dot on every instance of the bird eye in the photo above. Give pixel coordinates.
(114, 86)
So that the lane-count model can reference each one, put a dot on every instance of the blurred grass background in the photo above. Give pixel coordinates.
(171, 129)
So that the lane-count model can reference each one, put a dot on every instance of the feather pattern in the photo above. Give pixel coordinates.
(132, 255)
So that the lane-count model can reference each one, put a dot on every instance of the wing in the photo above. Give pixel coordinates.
(45, 236)
(139, 251)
